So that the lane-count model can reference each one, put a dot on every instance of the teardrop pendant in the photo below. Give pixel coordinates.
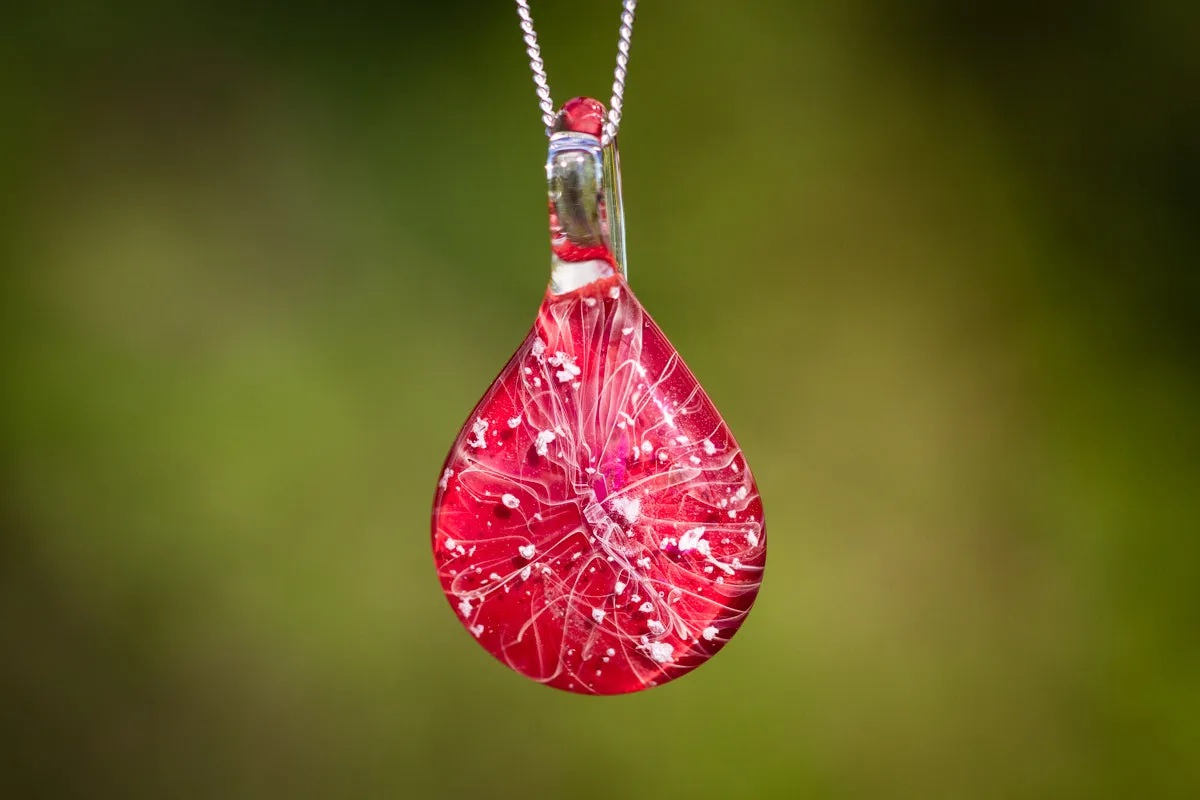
(596, 526)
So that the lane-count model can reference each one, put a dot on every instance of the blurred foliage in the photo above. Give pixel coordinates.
(936, 262)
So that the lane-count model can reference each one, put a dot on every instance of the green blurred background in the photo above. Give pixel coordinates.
(935, 262)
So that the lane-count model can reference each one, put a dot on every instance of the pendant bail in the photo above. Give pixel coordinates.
(583, 177)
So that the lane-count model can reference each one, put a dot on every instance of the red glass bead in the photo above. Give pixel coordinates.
(581, 115)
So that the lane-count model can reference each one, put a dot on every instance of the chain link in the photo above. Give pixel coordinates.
(542, 82)
(536, 64)
(618, 88)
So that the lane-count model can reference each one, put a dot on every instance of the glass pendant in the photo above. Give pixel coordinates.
(596, 527)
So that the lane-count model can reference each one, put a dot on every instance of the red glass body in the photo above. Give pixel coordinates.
(596, 526)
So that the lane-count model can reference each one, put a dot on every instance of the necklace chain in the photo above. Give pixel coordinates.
(613, 123)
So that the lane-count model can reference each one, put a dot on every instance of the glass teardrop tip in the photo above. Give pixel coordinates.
(596, 527)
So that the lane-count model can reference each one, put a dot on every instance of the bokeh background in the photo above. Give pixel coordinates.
(936, 262)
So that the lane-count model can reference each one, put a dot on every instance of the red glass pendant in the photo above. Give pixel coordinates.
(596, 527)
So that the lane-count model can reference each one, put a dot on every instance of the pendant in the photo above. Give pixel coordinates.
(596, 527)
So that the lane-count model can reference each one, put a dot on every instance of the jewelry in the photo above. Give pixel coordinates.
(596, 526)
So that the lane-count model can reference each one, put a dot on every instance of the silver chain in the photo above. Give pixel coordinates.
(543, 83)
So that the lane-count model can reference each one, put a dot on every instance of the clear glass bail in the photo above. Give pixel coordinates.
(587, 222)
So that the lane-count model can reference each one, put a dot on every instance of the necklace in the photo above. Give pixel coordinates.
(596, 526)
